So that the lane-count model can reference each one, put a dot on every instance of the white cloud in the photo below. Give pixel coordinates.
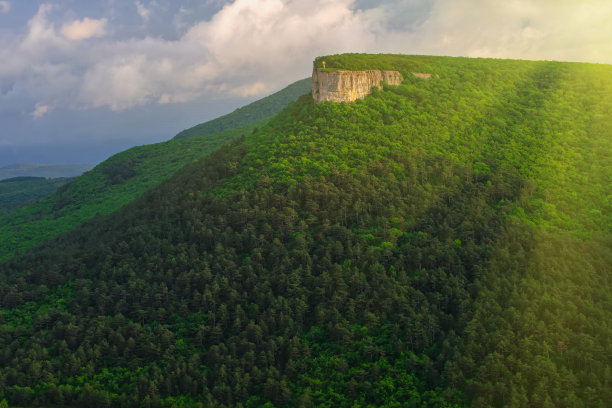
(40, 31)
(270, 36)
(5, 7)
(143, 12)
(40, 110)
(83, 29)
(246, 49)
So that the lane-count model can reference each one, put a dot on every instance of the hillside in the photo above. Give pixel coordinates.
(19, 191)
(441, 243)
(127, 175)
(43, 170)
(103, 190)
(258, 111)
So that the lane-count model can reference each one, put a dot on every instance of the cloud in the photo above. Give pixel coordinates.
(143, 12)
(5, 7)
(248, 48)
(83, 29)
(40, 110)
(40, 32)
(251, 47)
(179, 17)
(273, 36)
(249, 90)
(544, 29)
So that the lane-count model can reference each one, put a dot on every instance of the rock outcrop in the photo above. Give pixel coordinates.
(422, 75)
(348, 86)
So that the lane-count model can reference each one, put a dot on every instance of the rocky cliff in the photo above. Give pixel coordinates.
(348, 86)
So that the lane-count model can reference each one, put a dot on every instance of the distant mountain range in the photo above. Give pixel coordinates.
(43, 170)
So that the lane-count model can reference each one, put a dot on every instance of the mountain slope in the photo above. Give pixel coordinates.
(19, 191)
(103, 190)
(257, 111)
(432, 245)
(127, 175)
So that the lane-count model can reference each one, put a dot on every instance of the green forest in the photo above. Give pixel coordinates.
(102, 190)
(19, 191)
(441, 243)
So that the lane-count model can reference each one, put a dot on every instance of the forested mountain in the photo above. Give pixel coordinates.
(441, 243)
(19, 191)
(125, 176)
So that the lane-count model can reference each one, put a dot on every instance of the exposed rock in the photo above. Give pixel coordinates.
(348, 86)
(423, 75)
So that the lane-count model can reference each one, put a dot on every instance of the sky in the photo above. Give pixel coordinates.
(81, 80)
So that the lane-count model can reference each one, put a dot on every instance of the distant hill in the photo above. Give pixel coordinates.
(257, 111)
(43, 170)
(19, 191)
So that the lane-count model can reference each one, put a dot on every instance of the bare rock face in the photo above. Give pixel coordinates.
(422, 75)
(348, 86)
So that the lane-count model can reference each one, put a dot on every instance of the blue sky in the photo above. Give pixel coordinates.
(81, 80)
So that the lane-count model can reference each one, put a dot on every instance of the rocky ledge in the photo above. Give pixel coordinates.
(348, 86)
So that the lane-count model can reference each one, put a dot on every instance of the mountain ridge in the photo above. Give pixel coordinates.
(257, 111)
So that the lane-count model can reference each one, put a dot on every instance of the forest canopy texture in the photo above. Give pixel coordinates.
(441, 243)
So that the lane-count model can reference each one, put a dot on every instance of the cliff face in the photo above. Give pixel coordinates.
(348, 86)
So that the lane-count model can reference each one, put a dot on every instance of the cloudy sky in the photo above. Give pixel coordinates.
(80, 80)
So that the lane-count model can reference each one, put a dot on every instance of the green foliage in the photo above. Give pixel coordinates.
(103, 190)
(403, 63)
(440, 243)
(259, 111)
(19, 191)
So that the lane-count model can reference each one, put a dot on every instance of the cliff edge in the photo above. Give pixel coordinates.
(348, 86)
